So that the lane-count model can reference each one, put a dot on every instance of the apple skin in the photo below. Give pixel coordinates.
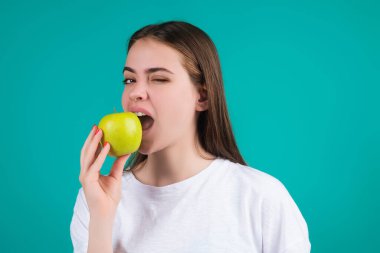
(122, 131)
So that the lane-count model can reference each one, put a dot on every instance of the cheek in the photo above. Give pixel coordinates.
(180, 108)
(124, 100)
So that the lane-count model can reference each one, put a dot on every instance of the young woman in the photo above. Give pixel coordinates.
(187, 189)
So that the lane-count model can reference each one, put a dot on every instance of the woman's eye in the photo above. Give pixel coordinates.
(128, 81)
(160, 80)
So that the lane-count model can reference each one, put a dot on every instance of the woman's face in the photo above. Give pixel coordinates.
(157, 84)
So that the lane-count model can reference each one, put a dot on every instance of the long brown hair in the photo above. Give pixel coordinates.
(201, 61)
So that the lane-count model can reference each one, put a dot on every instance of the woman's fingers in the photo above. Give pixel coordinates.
(93, 156)
(98, 150)
(118, 166)
(97, 165)
(89, 155)
(86, 143)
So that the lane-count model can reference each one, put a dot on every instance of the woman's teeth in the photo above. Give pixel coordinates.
(139, 114)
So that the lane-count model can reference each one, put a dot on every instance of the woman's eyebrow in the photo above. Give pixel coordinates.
(148, 71)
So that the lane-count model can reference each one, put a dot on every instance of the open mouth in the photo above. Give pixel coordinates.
(146, 122)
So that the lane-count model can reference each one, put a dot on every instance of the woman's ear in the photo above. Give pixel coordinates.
(202, 102)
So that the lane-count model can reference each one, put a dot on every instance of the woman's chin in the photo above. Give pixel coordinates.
(145, 149)
(143, 152)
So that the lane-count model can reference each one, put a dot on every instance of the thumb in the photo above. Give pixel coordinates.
(118, 166)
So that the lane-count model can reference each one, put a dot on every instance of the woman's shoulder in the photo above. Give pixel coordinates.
(255, 180)
(270, 200)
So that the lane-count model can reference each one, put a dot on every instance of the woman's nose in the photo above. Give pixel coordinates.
(138, 92)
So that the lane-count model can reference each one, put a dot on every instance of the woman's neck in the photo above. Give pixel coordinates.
(173, 164)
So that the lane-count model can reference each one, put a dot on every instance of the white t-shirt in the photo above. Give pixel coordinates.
(225, 208)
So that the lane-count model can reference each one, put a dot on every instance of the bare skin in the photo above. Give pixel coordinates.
(161, 175)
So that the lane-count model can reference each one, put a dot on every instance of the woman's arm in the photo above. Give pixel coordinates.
(100, 235)
(102, 193)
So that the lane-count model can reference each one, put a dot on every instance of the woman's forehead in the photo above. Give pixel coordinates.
(148, 53)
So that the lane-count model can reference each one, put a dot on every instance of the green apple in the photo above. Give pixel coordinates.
(122, 131)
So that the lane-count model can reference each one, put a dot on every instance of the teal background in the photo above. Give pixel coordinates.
(302, 87)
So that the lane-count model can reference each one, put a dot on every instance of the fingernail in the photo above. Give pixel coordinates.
(97, 130)
(105, 144)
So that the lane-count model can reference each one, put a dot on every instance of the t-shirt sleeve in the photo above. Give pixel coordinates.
(79, 224)
(283, 226)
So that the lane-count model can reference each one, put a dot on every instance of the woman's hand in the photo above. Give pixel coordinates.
(102, 192)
